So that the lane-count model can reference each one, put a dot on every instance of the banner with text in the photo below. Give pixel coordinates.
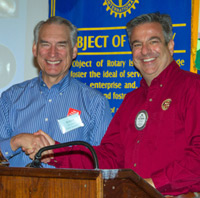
(104, 60)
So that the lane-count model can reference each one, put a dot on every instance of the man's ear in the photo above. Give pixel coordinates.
(171, 47)
(75, 51)
(34, 49)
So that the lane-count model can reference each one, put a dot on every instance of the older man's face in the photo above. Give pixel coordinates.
(54, 52)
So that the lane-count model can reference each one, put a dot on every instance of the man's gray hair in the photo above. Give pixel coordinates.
(164, 20)
(60, 21)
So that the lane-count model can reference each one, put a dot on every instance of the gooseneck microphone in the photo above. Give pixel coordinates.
(36, 163)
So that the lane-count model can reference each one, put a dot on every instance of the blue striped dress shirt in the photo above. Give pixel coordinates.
(31, 105)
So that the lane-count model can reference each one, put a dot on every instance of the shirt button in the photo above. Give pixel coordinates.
(138, 141)
(46, 119)
(50, 100)
(161, 85)
(150, 100)
(61, 94)
(134, 165)
(44, 85)
(6, 153)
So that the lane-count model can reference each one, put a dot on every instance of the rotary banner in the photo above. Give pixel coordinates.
(104, 60)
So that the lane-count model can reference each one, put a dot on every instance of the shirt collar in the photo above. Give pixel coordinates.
(164, 76)
(60, 86)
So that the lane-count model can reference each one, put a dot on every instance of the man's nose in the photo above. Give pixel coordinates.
(145, 49)
(52, 51)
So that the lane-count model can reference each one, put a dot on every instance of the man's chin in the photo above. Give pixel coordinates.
(55, 74)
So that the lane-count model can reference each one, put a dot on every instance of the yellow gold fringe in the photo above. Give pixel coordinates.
(194, 34)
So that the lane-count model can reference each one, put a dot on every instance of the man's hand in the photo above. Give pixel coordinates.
(28, 141)
(30, 144)
(47, 155)
(48, 138)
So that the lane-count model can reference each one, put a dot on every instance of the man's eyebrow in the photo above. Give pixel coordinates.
(135, 41)
(152, 38)
(60, 42)
(43, 41)
(63, 42)
(155, 37)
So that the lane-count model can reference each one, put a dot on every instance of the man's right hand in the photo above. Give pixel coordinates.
(28, 141)
(30, 144)
(47, 155)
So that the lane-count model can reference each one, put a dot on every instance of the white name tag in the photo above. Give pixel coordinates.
(70, 122)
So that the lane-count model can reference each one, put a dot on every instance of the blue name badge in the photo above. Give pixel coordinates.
(70, 122)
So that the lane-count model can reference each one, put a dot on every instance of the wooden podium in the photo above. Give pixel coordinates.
(70, 183)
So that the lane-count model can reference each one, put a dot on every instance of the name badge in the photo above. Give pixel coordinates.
(70, 122)
(141, 120)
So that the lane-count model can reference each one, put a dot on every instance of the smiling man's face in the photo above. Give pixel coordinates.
(151, 54)
(54, 52)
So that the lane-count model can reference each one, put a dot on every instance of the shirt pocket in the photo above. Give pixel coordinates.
(165, 123)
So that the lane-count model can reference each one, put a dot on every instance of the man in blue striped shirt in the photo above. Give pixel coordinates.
(48, 102)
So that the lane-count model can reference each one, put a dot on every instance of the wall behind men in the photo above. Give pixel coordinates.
(104, 60)
(17, 21)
